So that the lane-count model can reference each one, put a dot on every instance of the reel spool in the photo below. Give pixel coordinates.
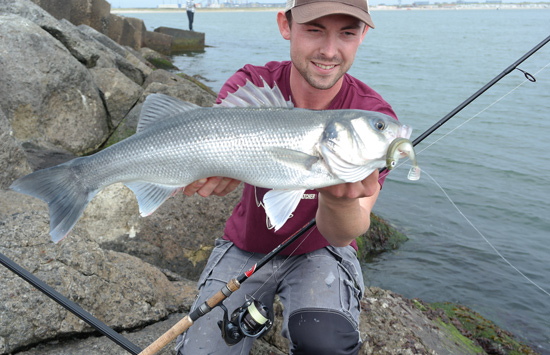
(252, 319)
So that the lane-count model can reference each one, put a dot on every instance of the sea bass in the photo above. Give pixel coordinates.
(254, 135)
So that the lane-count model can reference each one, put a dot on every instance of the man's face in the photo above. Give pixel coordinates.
(323, 50)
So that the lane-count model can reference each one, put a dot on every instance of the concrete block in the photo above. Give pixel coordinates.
(183, 40)
(159, 42)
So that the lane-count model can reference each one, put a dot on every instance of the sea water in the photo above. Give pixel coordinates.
(492, 159)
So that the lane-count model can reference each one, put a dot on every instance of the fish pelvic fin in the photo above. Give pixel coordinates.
(159, 107)
(279, 205)
(150, 195)
(251, 95)
(64, 194)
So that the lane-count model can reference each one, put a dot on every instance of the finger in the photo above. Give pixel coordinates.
(209, 187)
(233, 185)
(335, 191)
(371, 184)
(193, 187)
(226, 186)
(221, 186)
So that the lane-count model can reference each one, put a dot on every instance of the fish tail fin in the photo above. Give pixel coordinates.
(414, 173)
(62, 191)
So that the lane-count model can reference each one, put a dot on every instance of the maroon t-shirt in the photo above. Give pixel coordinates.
(248, 227)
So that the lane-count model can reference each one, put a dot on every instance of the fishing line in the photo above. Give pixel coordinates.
(484, 238)
(529, 77)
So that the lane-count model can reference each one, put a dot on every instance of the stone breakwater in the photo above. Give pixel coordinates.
(68, 90)
(126, 31)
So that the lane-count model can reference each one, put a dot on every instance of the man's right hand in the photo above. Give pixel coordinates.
(219, 186)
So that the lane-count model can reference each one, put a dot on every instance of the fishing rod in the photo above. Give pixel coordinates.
(483, 89)
(230, 331)
(70, 305)
(250, 319)
(233, 285)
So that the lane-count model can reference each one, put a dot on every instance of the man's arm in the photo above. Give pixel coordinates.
(344, 210)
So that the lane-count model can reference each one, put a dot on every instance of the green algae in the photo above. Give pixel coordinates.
(380, 237)
(466, 323)
(198, 83)
(162, 63)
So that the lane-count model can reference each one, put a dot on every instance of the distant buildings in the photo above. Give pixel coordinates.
(458, 2)
(214, 4)
(433, 4)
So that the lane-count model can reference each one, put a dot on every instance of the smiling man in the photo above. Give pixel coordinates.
(319, 280)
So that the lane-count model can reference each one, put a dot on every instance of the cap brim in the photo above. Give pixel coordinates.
(309, 12)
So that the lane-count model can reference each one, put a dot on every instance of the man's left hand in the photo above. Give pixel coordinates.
(366, 188)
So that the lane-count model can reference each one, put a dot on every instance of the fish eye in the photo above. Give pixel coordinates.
(380, 125)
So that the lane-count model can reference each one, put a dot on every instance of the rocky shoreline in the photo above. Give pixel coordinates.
(68, 89)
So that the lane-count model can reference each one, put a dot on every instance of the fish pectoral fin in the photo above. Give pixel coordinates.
(159, 107)
(292, 157)
(279, 205)
(344, 170)
(150, 195)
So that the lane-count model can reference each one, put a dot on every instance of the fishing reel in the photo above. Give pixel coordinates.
(252, 319)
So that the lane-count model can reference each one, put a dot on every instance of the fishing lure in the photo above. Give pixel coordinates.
(400, 148)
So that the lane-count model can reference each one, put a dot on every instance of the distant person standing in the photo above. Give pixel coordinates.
(190, 13)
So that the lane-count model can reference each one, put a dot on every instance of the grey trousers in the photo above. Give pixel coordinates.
(320, 292)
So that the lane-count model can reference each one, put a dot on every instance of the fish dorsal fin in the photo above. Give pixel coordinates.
(279, 205)
(158, 107)
(251, 95)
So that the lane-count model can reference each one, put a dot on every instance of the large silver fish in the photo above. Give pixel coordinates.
(254, 136)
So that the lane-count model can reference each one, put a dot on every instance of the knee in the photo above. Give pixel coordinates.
(322, 331)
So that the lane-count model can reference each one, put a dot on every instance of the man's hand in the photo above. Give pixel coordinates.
(366, 188)
(344, 210)
(219, 186)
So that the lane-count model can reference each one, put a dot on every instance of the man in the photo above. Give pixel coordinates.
(190, 6)
(319, 279)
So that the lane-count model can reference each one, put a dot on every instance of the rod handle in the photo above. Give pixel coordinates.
(232, 286)
(184, 324)
(167, 337)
